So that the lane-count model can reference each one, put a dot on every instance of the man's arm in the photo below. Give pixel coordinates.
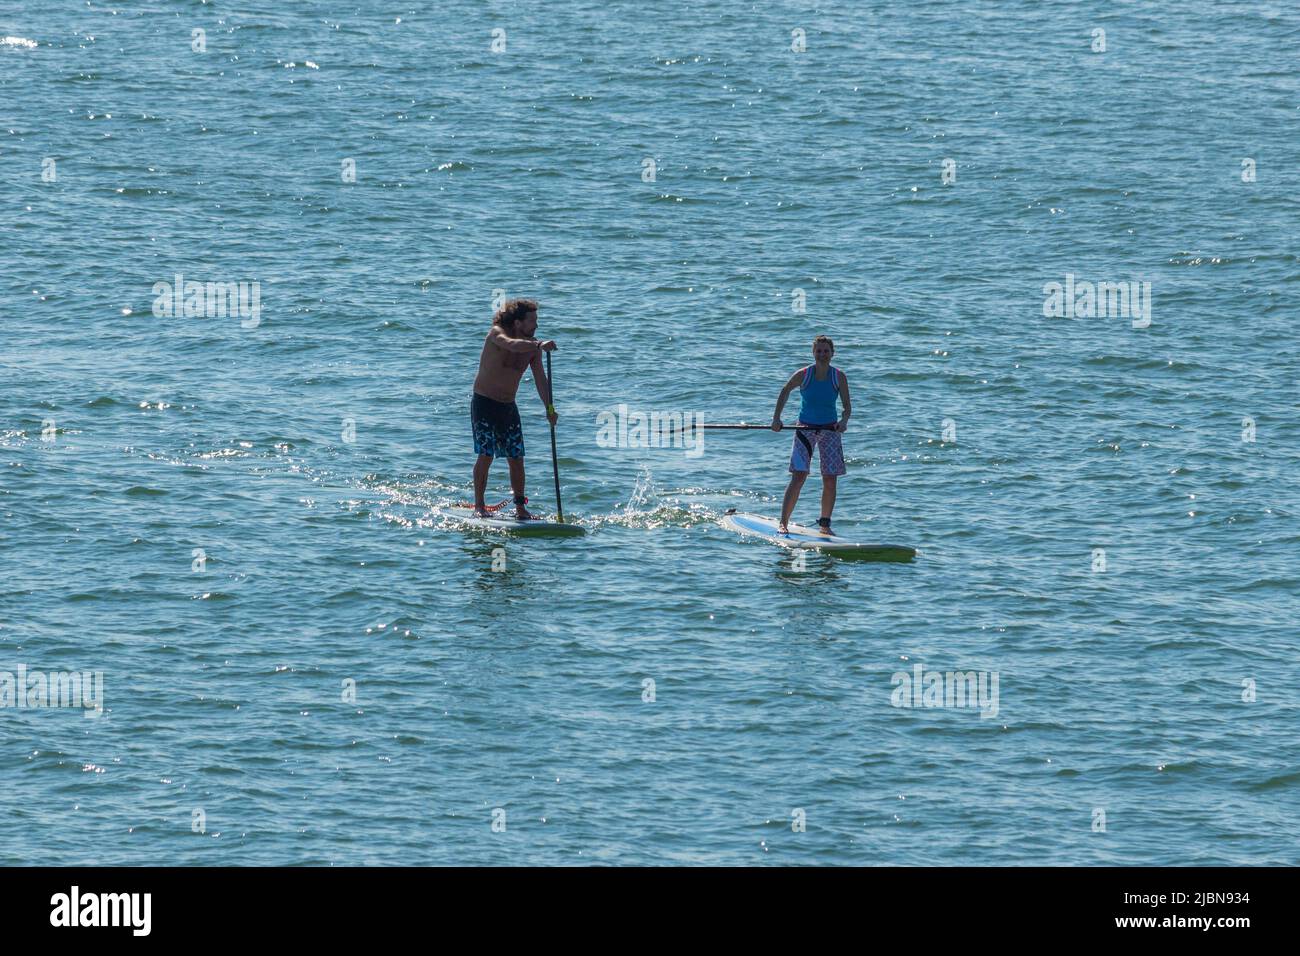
(790, 386)
(519, 346)
(543, 391)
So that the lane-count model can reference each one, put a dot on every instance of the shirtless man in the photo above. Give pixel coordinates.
(508, 349)
(819, 385)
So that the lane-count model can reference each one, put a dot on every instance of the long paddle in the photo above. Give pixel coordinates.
(555, 458)
(767, 428)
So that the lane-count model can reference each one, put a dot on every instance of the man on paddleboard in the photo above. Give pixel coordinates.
(819, 385)
(510, 347)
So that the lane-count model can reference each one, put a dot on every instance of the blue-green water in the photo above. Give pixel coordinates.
(1156, 697)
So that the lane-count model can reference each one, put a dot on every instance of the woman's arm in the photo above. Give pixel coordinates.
(790, 386)
(847, 402)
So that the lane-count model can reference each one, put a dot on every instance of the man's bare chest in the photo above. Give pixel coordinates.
(514, 361)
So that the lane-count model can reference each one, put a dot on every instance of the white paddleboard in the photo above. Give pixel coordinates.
(801, 537)
(504, 520)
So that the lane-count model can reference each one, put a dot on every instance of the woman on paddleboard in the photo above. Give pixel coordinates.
(509, 349)
(820, 385)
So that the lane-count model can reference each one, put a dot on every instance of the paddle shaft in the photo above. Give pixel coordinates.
(555, 458)
(768, 428)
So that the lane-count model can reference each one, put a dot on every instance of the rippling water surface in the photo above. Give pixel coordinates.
(1105, 509)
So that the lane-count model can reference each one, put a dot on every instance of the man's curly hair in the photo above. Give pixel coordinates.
(512, 311)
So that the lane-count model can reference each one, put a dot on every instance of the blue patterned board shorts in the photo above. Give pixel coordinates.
(497, 431)
(829, 449)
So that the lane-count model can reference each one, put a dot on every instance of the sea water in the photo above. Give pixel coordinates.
(249, 257)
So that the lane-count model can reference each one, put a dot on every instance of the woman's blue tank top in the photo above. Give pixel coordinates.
(819, 398)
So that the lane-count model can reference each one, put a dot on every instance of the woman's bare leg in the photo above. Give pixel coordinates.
(791, 497)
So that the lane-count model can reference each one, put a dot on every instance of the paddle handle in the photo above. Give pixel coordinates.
(555, 458)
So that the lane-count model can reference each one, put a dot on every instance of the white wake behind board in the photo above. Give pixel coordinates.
(801, 537)
(504, 521)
